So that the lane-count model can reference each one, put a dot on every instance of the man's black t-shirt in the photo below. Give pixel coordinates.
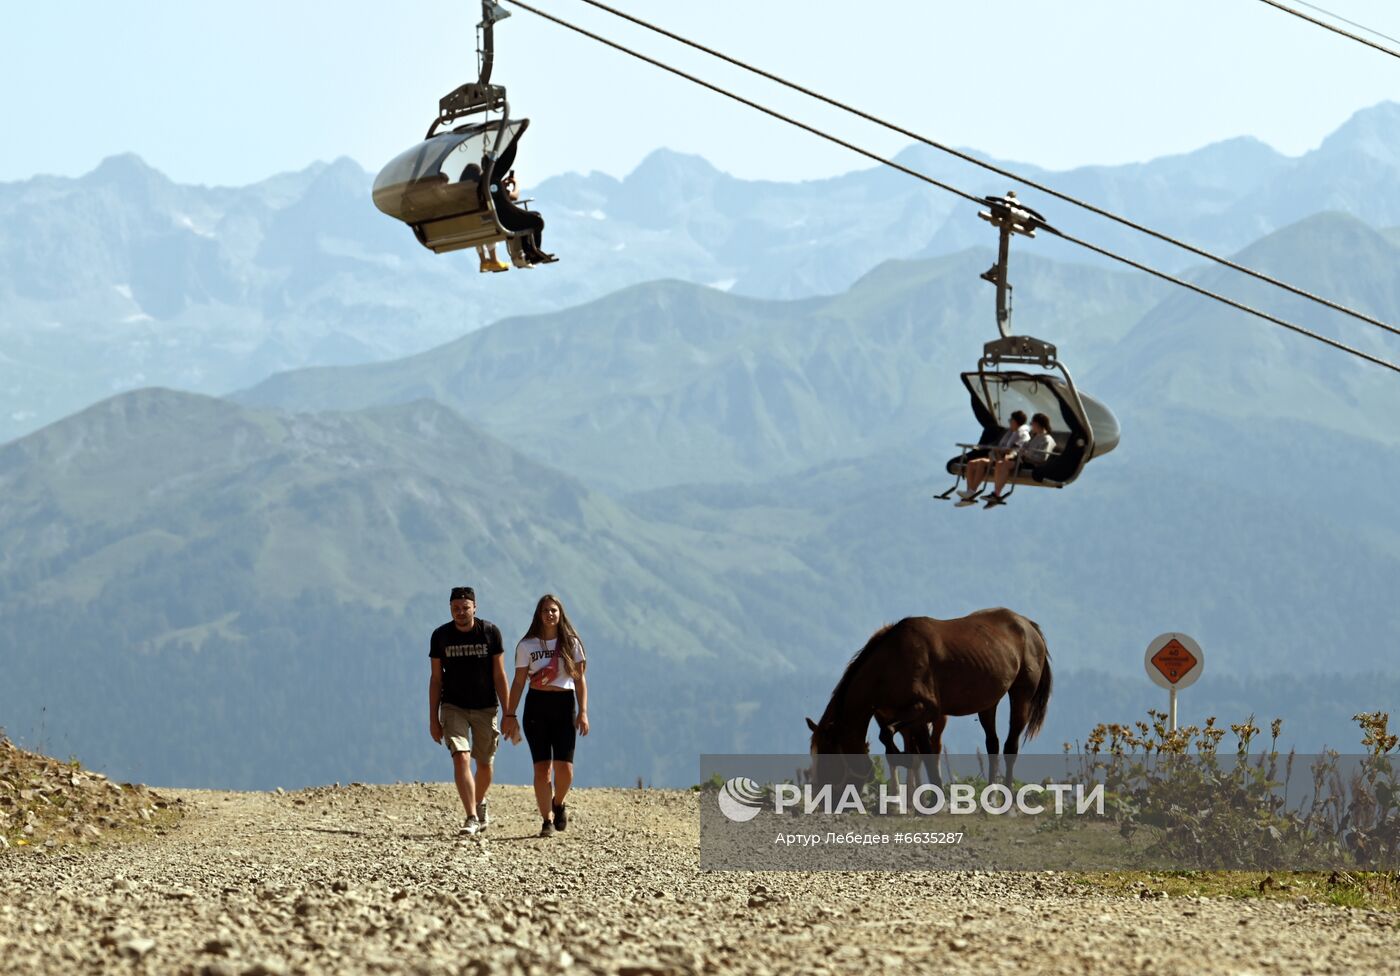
(466, 663)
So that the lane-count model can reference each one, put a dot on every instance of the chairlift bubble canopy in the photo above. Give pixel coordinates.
(1083, 428)
(446, 187)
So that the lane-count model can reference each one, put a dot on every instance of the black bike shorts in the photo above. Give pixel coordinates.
(549, 726)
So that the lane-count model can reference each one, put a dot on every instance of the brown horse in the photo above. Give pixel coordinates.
(912, 675)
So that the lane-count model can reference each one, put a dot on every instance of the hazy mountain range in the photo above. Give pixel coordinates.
(730, 491)
(195, 587)
(122, 279)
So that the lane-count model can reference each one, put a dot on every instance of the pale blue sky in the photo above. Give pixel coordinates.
(229, 93)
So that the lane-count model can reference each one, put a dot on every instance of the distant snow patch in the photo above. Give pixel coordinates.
(620, 245)
(124, 291)
(724, 284)
(596, 215)
(138, 317)
(184, 221)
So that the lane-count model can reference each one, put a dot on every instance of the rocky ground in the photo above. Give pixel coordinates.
(47, 803)
(374, 880)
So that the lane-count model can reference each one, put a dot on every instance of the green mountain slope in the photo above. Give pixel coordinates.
(671, 383)
(1189, 353)
(381, 509)
(200, 586)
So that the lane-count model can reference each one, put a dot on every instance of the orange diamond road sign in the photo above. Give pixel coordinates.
(1174, 661)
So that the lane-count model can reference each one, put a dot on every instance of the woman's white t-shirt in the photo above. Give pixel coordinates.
(535, 653)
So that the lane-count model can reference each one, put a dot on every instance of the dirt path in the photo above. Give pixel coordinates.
(373, 880)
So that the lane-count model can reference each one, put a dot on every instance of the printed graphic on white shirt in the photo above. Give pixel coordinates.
(536, 654)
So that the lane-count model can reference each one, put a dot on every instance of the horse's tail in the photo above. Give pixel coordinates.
(1040, 702)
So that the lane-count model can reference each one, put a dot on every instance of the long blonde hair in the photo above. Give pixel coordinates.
(567, 636)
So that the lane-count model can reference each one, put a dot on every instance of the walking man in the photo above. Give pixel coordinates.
(467, 686)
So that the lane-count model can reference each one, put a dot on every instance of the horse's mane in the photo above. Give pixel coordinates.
(838, 696)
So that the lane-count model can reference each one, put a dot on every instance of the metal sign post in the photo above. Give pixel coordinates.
(1174, 661)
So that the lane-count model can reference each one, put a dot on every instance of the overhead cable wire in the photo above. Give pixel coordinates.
(970, 197)
(884, 160)
(1002, 171)
(1165, 276)
(1337, 16)
(1333, 27)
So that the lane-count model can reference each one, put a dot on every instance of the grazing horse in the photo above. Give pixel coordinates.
(912, 675)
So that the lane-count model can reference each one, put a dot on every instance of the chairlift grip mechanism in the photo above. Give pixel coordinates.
(1009, 217)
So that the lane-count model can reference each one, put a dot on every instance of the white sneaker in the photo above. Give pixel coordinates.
(483, 816)
(967, 493)
(469, 827)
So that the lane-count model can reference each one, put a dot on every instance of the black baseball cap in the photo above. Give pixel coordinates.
(463, 593)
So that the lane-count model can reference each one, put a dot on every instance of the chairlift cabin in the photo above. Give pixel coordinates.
(1083, 427)
(1025, 373)
(449, 187)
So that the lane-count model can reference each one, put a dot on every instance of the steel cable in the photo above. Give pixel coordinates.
(1001, 171)
(1337, 16)
(1333, 27)
(973, 198)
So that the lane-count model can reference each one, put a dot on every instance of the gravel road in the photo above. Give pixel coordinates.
(373, 880)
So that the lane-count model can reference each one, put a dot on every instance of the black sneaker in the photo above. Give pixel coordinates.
(561, 816)
(547, 829)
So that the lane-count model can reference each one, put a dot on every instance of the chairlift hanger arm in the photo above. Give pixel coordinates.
(1009, 216)
(490, 13)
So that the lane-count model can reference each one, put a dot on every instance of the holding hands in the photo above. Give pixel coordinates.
(510, 728)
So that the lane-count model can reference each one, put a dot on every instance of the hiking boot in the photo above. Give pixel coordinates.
(964, 502)
(493, 265)
(483, 815)
(561, 817)
(469, 827)
(547, 829)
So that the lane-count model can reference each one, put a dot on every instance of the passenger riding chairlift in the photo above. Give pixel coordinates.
(448, 187)
(1083, 428)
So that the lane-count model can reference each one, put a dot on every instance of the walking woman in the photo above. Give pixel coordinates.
(550, 658)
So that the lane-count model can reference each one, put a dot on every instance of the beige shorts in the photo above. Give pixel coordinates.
(471, 730)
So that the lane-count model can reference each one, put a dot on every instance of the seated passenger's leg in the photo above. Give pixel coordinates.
(489, 261)
(1003, 474)
(533, 246)
(976, 473)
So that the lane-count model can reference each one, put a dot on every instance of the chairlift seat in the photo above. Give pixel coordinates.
(1083, 428)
